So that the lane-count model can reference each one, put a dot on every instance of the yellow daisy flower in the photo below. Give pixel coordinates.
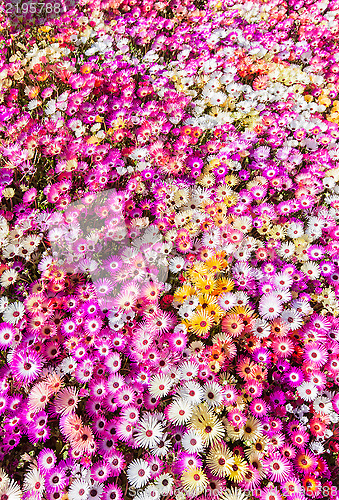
(231, 199)
(219, 459)
(197, 271)
(234, 433)
(182, 293)
(278, 232)
(194, 481)
(215, 311)
(223, 285)
(237, 469)
(215, 264)
(200, 324)
(206, 300)
(252, 430)
(207, 423)
(204, 284)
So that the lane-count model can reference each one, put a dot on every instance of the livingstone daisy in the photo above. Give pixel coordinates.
(14, 312)
(160, 385)
(138, 473)
(194, 481)
(213, 394)
(208, 424)
(237, 469)
(79, 489)
(277, 467)
(252, 430)
(308, 391)
(200, 324)
(192, 441)
(234, 493)
(179, 412)
(39, 397)
(270, 306)
(66, 401)
(6, 335)
(219, 459)
(149, 431)
(11, 490)
(26, 365)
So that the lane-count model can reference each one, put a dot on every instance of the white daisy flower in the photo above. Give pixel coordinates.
(242, 254)
(152, 492)
(3, 303)
(34, 481)
(322, 405)
(68, 365)
(216, 98)
(188, 370)
(191, 392)
(148, 432)
(295, 230)
(149, 493)
(311, 269)
(10, 251)
(302, 306)
(14, 313)
(192, 441)
(96, 491)
(283, 294)
(164, 484)
(286, 251)
(227, 300)
(8, 277)
(185, 311)
(163, 447)
(138, 473)
(283, 280)
(10, 490)
(270, 306)
(308, 391)
(4, 479)
(293, 318)
(160, 385)
(316, 447)
(79, 490)
(179, 412)
(261, 329)
(213, 394)
(241, 298)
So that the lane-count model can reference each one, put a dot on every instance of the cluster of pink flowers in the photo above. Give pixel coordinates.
(169, 250)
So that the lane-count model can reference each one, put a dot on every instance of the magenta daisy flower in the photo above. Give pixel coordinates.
(258, 407)
(294, 377)
(46, 460)
(300, 438)
(316, 354)
(277, 467)
(112, 492)
(117, 462)
(26, 365)
(7, 333)
(125, 396)
(55, 480)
